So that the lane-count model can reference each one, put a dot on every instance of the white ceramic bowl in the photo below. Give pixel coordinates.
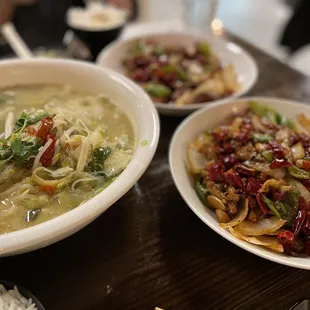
(133, 101)
(208, 118)
(245, 66)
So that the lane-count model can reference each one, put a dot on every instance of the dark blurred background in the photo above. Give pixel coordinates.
(279, 27)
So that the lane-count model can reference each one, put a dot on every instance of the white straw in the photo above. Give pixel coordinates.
(15, 41)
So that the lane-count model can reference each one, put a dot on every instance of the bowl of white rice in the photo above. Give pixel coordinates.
(96, 25)
(15, 297)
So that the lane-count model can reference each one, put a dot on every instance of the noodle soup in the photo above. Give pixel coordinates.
(58, 148)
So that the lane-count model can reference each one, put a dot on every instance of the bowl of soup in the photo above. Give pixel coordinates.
(74, 138)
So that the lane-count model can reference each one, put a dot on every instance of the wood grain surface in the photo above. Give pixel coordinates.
(150, 250)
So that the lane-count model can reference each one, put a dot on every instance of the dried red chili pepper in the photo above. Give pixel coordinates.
(280, 163)
(233, 178)
(216, 172)
(253, 186)
(261, 203)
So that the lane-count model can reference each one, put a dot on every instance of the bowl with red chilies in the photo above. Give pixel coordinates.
(182, 72)
(250, 172)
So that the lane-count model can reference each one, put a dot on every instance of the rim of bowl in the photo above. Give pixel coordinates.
(194, 106)
(24, 238)
(296, 262)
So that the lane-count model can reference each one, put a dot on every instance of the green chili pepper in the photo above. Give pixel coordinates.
(270, 114)
(204, 49)
(177, 69)
(271, 206)
(158, 90)
(202, 191)
(298, 173)
(268, 156)
(264, 138)
(257, 108)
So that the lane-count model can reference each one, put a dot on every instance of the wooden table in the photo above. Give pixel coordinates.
(150, 250)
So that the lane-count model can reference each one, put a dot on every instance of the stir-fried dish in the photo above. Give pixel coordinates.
(58, 148)
(254, 172)
(179, 75)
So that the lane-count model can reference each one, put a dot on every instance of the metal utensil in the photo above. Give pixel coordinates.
(18, 45)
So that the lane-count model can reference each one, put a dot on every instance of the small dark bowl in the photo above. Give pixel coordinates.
(97, 40)
(10, 285)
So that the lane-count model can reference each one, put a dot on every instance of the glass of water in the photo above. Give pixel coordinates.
(199, 14)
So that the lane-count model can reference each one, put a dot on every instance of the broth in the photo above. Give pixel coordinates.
(58, 148)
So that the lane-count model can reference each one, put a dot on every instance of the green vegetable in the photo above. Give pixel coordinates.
(298, 173)
(283, 121)
(264, 138)
(22, 150)
(99, 156)
(271, 206)
(270, 114)
(138, 47)
(158, 90)
(28, 119)
(5, 152)
(257, 108)
(268, 156)
(102, 153)
(202, 191)
(177, 69)
(282, 209)
(204, 49)
(158, 50)
(291, 200)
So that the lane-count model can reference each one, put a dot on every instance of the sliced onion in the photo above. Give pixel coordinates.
(278, 184)
(299, 128)
(304, 122)
(235, 126)
(301, 188)
(268, 242)
(257, 124)
(298, 151)
(264, 167)
(277, 247)
(59, 173)
(276, 232)
(46, 182)
(258, 240)
(196, 160)
(240, 216)
(262, 227)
